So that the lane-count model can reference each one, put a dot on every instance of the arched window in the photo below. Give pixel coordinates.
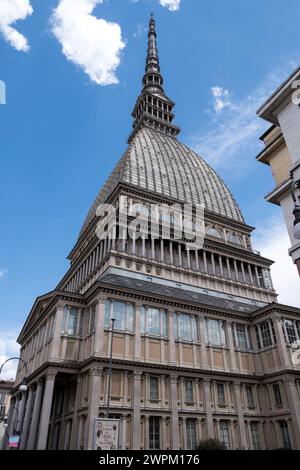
(233, 238)
(213, 232)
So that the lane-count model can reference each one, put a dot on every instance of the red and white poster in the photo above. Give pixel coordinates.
(106, 434)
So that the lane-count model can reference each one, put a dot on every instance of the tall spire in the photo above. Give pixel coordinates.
(153, 108)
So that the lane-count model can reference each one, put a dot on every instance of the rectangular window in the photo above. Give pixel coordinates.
(255, 437)
(153, 321)
(221, 394)
(154, 394)
(265, 334)
(154, 433)
(224, 433)
(277, 395)
(250, 396)
(285, 435)
(185, 327)
(123, 314)
(70, 324)
(290, 330)
(191, 434)
(189, 394)
(242, 337)
(215, 332)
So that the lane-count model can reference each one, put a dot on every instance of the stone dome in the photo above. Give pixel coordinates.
(162, 165)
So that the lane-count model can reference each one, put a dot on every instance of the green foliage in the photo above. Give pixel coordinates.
(211, 444)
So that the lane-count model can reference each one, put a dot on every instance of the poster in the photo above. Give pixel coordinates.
(106, 434)
(13, 442)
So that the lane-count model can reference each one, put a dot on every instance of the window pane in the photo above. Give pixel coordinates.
(221, 394)
(255, 436)
(250, 396)
(189, 396)
(224, 433)
(107, 314)
(154, 388)
(191, 433)
(154, 433)
(153, 321)
(285, 435)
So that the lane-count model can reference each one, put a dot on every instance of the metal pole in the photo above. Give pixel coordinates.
(110, 366)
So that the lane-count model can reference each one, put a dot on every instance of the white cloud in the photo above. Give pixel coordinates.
(172, 5)
(10, 12)
(226, 135)
(8, 348)
(2, 273)
(90, 42)
(273, 242)
(221, 98)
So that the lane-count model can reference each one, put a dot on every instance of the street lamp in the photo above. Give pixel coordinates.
(23, 384)
(296, 210)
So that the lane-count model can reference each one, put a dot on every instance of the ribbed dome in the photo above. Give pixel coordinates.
(162, 165)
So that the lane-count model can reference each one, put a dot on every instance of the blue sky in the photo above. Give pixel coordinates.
(62, 133)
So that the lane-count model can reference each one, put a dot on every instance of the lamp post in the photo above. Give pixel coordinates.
(296, 211)
(110, 366)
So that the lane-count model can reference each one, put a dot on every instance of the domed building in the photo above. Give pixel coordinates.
(176, 344)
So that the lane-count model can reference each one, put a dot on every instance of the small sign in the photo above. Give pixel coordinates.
(13, 442)
(106, 434)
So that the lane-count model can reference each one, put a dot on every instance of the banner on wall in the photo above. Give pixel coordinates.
(106, 434)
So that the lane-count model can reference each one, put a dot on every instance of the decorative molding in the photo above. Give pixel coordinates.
(96, 371)
(137, 375)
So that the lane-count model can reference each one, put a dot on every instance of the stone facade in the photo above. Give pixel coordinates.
(282, 151)
(200, 348)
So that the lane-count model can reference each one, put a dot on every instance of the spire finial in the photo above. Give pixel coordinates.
(153, 108)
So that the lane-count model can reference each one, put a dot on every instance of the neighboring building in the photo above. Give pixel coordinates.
(201, 348)
(5, 389)
(282, 151)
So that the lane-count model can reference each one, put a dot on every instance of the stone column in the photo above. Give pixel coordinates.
(294, 405)
(136, 436)
(172, 349)
(35, 416)
(229, 328)
(99, 326)
(174, 413)
(240, 413)
(146, 432)
(123, 432)
(209, 416)
(137, 338)
(45, 411)
(21, 412)
(281, 346)
(57, 333)
(27, 417)
(74, 431)
(96, 375)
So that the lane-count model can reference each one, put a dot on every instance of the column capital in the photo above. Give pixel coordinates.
(236, 385)
(96, 371)
(201, 317)
(276, 317)
(173, 379)
(51, 375)
(137, 375)
(102, 299)
(206, 382)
